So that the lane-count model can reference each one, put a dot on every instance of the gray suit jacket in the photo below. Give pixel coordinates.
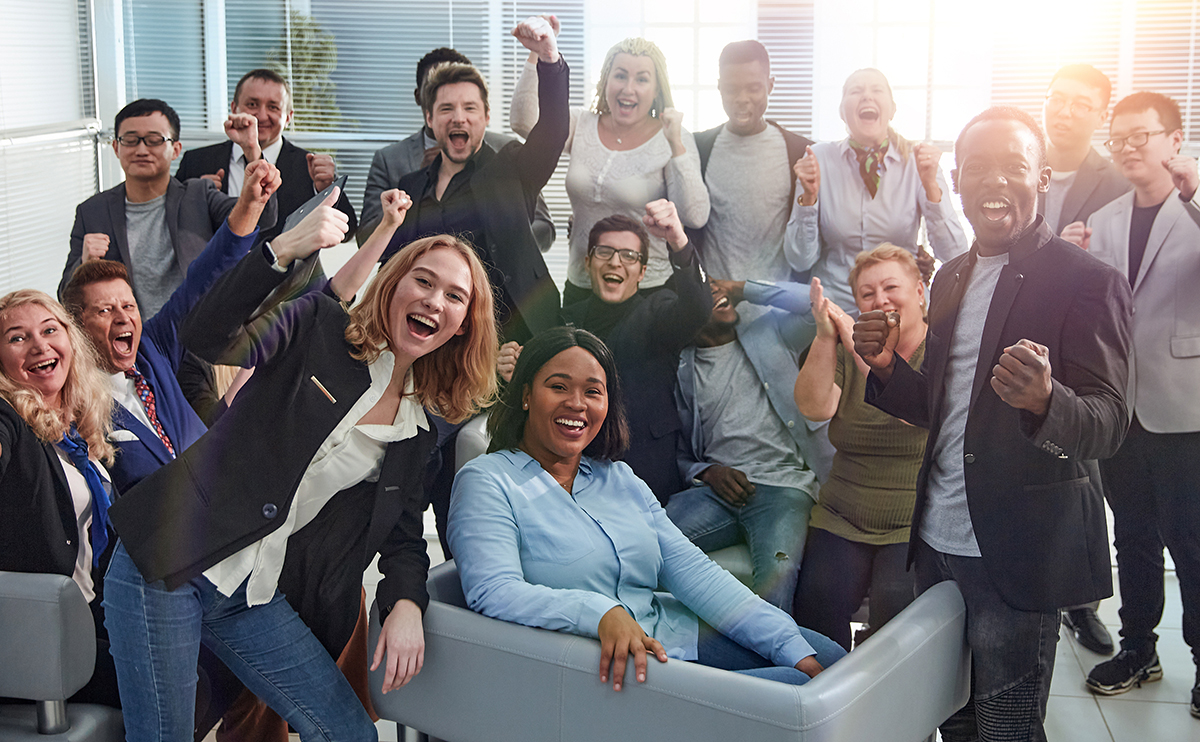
(1096, 183)
(394, 161)
(195, 210)
(1164, 373)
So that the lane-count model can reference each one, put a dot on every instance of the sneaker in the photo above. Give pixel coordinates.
(1088, 630)
(1195, 707)
(1127, 669)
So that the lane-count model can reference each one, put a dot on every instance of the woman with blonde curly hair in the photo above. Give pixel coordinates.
(54, 490)
(628, 150)
(316, 468)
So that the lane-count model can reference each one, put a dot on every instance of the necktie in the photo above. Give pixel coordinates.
(77, 451)
(147, 396)
(868, 164)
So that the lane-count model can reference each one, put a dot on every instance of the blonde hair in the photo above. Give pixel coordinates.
(882, 254)
(902, 146)
(638, 47)
(86, 394)
(458, 379)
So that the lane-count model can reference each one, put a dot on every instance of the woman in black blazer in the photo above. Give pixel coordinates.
(315, 469)
(54, 417)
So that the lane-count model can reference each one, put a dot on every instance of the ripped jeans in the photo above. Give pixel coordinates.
(773, 523)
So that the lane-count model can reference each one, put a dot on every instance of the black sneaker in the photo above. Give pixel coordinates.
(1195, 707)
(1127, 669)
(1088, 629)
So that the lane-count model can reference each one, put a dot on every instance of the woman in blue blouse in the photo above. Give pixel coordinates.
(550, 531)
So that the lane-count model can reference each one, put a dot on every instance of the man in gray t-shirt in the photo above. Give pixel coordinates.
(1022, 390)
(749, 453)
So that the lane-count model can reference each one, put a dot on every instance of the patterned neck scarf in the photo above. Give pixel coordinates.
(869, 159)
(77, 451)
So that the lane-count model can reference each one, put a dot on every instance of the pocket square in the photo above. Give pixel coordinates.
(119, 436)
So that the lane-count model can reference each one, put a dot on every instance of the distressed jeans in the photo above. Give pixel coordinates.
(1012, 655)
(773, 523)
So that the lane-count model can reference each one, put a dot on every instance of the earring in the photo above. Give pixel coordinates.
(525, 406)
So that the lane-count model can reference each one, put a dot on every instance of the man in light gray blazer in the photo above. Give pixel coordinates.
(415, 152)
(1152, 483)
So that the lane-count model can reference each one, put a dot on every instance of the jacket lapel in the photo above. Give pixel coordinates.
(1086, 180)
(1170, 212)
(116, 217)
(125, 419)
(394, 488)
(174, 198)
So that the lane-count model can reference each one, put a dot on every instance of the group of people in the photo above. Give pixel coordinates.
(747, 349)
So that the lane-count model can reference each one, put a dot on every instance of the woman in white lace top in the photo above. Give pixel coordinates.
(628, 150)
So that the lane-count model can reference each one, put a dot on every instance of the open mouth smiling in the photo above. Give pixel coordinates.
(995, 210)
(421, 326)
(570, 425)
(123, 343)
(43, 368)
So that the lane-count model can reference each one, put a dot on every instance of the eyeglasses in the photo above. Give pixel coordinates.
(1135, 140)
(1058, 102)
(604, 252)
(151, 140)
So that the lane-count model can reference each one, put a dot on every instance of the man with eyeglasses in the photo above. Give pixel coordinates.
(1081, 181)
(1152, 484)
(153, 224)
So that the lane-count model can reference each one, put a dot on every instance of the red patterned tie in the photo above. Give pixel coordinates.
(147, 397)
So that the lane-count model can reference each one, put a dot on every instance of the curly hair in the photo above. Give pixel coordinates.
(506, 425)
(86, 395)
(638, 47)
(458, 379)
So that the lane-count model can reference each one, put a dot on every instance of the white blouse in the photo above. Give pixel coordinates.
(602, 182)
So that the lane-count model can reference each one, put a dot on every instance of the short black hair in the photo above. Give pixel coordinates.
(1090, 76)
(145, 107)
(740, 52)
(621, 223)
(437, 56)
(267, 75)
(507, 422)
(1007, 113)
(1167, 109)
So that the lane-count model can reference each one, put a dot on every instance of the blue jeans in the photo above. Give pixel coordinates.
(773, 523)
(714, 649)
(1012, 655)
(156, 633)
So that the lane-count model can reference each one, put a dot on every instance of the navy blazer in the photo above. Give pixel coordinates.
(1033, 486)
(294, 191)
(159, 355)
(195, 211)
(235, 485)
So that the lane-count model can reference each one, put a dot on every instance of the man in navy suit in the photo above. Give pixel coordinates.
(260, 111)
(153, 421)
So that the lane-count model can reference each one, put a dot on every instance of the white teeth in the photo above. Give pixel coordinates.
(994, 204)
(45, 364)
(570, 423)
(423, 320)
(125, 336)
(614, 278)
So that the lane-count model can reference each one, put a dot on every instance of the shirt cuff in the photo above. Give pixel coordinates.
(592, 610)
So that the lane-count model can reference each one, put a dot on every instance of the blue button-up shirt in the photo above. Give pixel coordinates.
(531, 553)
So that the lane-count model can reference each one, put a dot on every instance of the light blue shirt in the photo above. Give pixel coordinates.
(845, 220)
(529, 552)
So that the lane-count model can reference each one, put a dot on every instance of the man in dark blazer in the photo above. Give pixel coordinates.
(1082, 180)
(751, 184)
(415, 152)
(490, 196)
(192, 212)
(260, 111)
(1022, 390)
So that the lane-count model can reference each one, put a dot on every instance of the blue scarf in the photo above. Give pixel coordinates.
(77, 450)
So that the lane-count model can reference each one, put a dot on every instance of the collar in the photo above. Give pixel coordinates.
(525, 462)
(891, 154)
(1036, 235)
(409, 416)
(271, 152)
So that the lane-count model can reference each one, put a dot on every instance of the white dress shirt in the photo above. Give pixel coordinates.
(352, 453)
(237, 165)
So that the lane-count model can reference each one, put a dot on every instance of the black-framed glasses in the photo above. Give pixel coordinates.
(1135, 140)
(1056, 102)
(151, 140)
(604, 253)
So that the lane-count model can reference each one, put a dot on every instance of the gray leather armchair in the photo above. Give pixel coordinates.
(47, 653)
(486, 680)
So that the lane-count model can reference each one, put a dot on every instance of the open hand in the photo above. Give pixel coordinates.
(401, 644)
(621, 636)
